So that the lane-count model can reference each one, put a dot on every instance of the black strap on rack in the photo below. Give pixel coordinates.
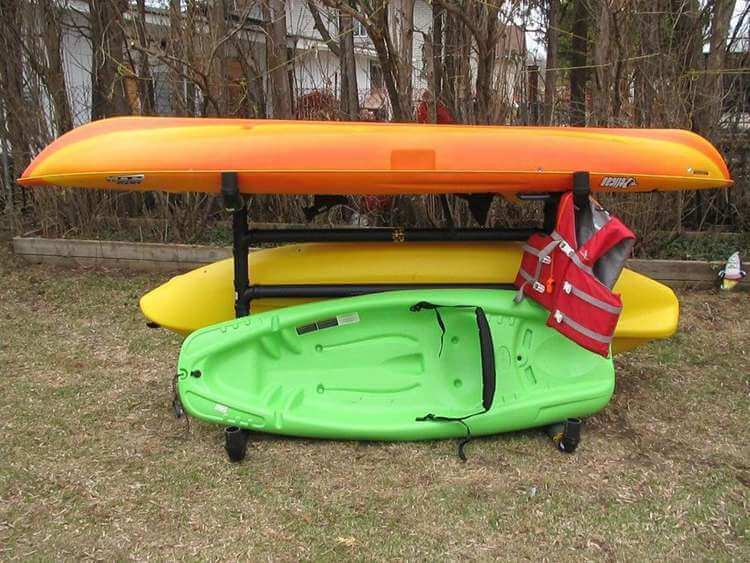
(550, 213)
(479, 205)
(230, 192)
(487, 354)
(581, 188)
(323, 203)
(581, 192)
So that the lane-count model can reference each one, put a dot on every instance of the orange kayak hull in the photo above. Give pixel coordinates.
(305, 157)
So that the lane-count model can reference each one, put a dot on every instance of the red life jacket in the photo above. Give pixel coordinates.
(542, 262)
(559, 271)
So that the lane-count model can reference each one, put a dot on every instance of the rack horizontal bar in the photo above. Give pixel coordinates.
(349, 290)
(256, 236)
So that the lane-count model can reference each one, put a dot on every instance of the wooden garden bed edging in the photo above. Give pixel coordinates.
(137, 256)
(156, 257)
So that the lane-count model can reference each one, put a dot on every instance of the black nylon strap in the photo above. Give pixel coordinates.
(486, 349)
(581, 188)
(487, 354)
(323, 203)
(425, 305)
(461, 420)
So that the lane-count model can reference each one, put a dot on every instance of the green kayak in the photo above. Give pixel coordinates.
(401, 365)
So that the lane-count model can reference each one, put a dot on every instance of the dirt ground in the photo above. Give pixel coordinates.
(94, 465)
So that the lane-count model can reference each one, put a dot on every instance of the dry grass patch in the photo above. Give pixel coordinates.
(94, 465)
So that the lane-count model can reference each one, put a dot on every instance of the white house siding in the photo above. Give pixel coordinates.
(315, 67)
(422, 25)
(77, 57)
(299, 21)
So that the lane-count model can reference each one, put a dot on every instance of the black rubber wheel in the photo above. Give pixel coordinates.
(566, 435)
(235, 443)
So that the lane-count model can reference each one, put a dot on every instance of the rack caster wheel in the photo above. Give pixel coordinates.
(566, 435)
(236, 443)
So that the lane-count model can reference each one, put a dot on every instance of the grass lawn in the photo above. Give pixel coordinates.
(94, 465)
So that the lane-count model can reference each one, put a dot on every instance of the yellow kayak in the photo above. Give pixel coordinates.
(205, 296)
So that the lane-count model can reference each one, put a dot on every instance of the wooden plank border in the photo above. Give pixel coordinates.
(138, 256)
(683, 273)
(156, 257)
(676, 270)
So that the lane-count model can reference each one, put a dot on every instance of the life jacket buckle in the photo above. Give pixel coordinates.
(566, 248)
(539, 287)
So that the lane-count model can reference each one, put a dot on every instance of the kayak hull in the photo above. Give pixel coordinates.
(370, 367)
(650, 311)
(305, 157)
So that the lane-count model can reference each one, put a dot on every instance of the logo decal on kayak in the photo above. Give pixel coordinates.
(348, 318)
(621, 182)
(127, 180)
(340, 320)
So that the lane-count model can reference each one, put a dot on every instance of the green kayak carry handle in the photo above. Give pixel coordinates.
(486, 349)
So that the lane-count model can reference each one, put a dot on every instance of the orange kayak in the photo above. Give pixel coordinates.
(305, 157)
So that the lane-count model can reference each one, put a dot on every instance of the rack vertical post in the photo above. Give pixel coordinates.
(234, 202)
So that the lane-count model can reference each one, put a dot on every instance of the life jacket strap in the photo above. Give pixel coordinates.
(569, 288)
(543, 257)
(574, 257)
(538, 253)
(539, 287)
(560, 317)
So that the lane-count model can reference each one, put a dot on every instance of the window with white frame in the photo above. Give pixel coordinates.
(358, 28)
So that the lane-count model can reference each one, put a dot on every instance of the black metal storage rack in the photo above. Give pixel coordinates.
(243, 238)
